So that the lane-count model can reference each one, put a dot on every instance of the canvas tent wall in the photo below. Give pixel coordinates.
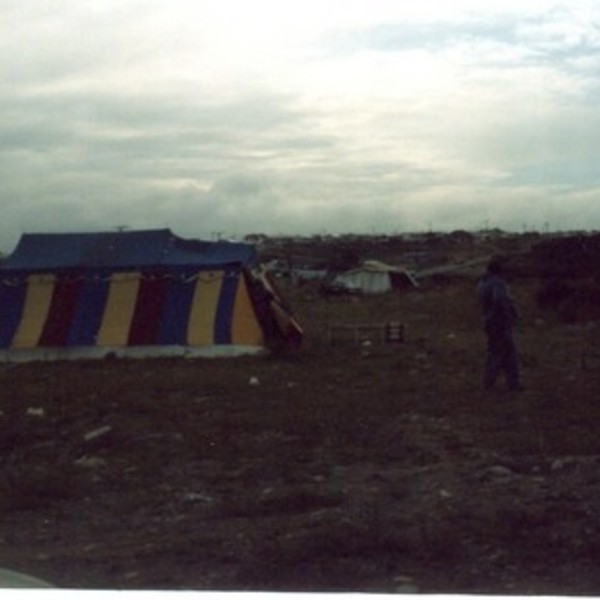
(136, 293)
(374, 277)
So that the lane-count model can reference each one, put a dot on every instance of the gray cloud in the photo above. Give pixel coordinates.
(138, 115)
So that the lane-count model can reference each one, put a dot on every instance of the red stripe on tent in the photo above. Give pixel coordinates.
(60, 315)
(145, 324)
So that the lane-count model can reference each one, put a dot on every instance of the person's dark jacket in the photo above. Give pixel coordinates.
(499, 311)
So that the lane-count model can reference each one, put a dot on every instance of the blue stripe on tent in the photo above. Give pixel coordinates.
(12, 299)
(224, 316)
(88, 312)
(176, 313)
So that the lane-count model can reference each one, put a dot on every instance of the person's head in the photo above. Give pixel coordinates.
(494, 267)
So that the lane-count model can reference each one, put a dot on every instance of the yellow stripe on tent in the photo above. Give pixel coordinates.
(203, 312)
(38, 298)
(119, 309)
(245, 329)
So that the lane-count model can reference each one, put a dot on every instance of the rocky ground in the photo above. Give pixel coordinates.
(353, 467)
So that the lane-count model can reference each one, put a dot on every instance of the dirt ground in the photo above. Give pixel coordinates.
(348, 467)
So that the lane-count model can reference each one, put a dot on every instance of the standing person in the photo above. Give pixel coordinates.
(499, 317)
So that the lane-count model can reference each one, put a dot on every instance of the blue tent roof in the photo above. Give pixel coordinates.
(123, 250)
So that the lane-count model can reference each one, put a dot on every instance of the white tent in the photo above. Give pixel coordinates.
(374, 277)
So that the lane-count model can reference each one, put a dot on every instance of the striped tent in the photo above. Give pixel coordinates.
(136, 293)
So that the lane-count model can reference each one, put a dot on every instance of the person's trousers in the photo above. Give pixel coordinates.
(501, 358)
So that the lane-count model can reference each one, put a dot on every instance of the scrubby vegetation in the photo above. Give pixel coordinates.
(349, 466)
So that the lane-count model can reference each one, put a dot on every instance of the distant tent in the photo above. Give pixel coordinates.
(138, 294)
(374, 277)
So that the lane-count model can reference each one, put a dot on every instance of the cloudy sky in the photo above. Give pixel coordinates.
(273, 116)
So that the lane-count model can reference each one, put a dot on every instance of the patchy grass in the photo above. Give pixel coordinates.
(348, 467)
